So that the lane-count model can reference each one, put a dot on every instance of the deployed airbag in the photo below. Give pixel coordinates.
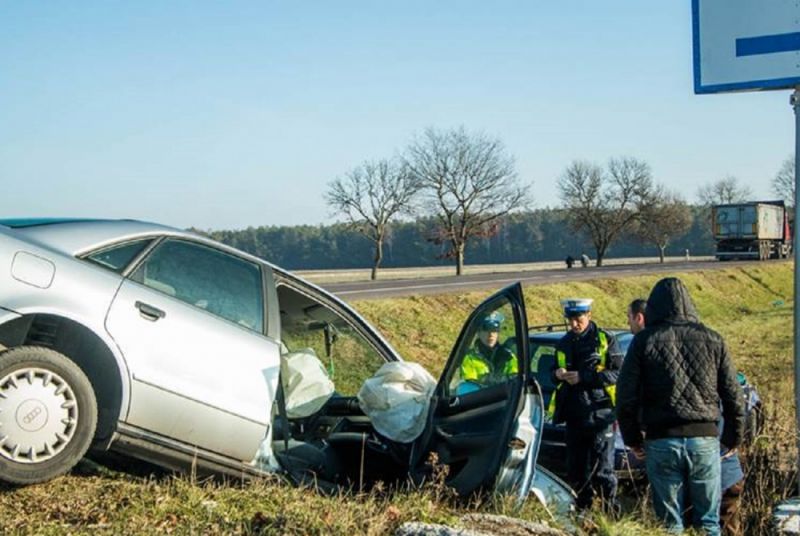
(396, 400)
(306, 384)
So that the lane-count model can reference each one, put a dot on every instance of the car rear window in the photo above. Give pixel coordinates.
(116, 258)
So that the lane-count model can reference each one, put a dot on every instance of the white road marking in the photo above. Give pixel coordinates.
(439, 285)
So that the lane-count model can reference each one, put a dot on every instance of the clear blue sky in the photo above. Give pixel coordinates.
(231, 114)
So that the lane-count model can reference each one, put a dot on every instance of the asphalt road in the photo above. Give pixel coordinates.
(366, 290)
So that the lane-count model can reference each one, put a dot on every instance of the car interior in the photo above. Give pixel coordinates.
(336, 445)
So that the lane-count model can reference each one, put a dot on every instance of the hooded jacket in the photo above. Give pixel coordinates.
(676, 374)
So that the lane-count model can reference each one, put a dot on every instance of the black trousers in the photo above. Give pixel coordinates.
(590, 464)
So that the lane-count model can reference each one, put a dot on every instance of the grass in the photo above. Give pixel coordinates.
(751, 307)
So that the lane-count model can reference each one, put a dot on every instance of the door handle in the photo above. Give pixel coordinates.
(148, 312)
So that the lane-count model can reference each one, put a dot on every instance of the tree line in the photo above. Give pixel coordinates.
(525, 236)
(455, 194)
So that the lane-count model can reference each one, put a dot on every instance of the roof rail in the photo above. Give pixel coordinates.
(548, 327)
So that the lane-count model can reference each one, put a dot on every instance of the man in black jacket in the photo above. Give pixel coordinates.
(676, 374)
(587, 363)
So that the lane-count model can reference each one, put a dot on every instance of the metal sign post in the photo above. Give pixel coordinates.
(795, 100)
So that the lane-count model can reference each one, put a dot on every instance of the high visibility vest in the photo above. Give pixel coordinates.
(475, 366)
(561, 361)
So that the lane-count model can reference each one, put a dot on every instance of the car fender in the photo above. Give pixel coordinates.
(93, 327)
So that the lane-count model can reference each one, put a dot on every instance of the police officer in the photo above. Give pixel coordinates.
(487, 361)
(587, 363)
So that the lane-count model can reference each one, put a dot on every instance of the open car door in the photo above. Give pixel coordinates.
(486, 414)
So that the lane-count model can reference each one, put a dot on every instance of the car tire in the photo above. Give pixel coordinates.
(49, 414)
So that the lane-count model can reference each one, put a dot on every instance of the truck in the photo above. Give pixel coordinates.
(752, 230)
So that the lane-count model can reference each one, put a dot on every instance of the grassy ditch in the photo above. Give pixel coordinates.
(751, 307)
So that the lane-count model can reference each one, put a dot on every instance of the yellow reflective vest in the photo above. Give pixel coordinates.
(561, 362)
(478, 368)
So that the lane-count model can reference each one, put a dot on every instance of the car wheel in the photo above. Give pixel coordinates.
(48, 414)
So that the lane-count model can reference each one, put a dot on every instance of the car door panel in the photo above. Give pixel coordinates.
(198, 376)
(472, 432)
(195, 377)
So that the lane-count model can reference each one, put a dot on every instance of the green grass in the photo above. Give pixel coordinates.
(751, 307)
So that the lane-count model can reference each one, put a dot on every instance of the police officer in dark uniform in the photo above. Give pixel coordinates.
(587, 363)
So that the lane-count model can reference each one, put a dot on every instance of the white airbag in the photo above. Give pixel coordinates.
(396, 400)
(306, 384)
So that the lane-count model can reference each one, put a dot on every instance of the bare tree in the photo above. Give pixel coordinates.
(604, 204)
(370, 197)
(469, 183)
(723, 191)
(783, 182)
(664, 218)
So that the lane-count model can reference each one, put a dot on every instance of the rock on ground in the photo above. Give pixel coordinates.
(480, 525)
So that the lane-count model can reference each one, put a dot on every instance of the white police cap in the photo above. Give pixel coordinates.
(576, 306)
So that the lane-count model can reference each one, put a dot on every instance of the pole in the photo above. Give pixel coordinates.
(795, 101)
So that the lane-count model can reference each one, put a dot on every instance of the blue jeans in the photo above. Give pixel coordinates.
(681, 466)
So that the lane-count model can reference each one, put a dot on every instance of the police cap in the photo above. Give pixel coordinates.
(492, 321)
(576, 306)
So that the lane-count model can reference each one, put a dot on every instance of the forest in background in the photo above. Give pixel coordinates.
(520, 237)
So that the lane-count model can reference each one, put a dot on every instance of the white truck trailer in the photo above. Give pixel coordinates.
(753, 230)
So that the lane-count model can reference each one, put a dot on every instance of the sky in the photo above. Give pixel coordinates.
(224, 115)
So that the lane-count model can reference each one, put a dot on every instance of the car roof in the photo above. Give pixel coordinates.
(73, 236)
(554, 335)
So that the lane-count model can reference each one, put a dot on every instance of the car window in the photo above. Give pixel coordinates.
(624, 340)
(543, 360)
(118, 256)
(344, 352)
(212, 280)
(487, 355)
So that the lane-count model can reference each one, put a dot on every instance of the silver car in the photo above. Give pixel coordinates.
(166, 346)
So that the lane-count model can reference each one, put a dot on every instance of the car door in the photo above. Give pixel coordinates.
(485, 421)
(191, 322)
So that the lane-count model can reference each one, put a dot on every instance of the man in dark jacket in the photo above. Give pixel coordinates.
(587, 363)
(676, 374)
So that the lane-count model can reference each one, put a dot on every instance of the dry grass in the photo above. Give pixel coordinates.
(751, 307)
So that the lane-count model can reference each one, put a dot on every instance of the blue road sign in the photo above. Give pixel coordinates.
(745, 45)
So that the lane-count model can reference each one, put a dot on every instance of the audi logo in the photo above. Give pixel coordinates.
(31, 415)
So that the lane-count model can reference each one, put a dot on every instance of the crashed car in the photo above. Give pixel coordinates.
(172, 348)
(552, 455)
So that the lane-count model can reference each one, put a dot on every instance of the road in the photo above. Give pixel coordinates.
(366, 290)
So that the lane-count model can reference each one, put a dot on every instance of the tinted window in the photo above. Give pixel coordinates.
(543, 361)
(217, 282)
(624, 340)
(117, 257)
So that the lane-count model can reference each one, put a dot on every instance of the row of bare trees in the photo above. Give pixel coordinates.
(467, 181)
(730, 190)
(622, 199)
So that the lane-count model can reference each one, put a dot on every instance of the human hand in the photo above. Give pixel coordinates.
(639, 453)
(560, 373)
(571, 377)
(728, 454)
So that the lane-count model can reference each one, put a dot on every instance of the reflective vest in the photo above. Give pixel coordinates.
(475, 366)
(561, 362)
